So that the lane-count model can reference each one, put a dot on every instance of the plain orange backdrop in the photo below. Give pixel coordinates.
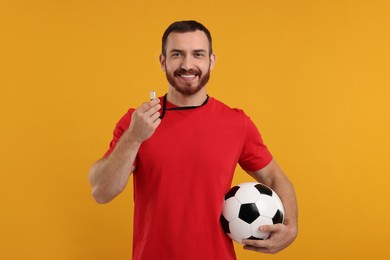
(313, 76)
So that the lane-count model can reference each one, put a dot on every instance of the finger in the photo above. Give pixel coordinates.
(256, 243)
(157, 122)
(152, 111)
(260, 249)
(155, 116)
(154, 108)
(264, 246)
(148, 105)
(256, 249)
(270, 228)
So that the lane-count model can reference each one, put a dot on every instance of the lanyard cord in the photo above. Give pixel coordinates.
(164, 107)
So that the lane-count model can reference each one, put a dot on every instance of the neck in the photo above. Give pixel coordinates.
(181, 100)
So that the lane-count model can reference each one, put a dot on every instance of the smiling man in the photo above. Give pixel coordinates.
(182, 149)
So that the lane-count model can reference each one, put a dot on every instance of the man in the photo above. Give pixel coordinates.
(183, 149)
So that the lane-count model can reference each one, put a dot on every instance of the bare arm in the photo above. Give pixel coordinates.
(282, 235)
(109, 176)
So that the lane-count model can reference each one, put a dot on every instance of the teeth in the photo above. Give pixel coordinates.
(188, 76)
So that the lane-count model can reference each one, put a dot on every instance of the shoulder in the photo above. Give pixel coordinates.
(227, 110)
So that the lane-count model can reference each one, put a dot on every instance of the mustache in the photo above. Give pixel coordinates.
(179, 72)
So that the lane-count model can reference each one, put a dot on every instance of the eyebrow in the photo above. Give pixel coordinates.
(200, 50)
(196, 51)
(175, 50)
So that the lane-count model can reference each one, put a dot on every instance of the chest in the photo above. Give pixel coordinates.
(194, 139)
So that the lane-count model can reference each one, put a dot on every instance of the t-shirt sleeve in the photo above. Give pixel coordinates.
(120, 128)
(255, 154)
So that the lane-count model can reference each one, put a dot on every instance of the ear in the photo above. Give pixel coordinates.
(162, 62)
(213, 59)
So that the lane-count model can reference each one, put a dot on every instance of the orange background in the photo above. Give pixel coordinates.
(313, 75)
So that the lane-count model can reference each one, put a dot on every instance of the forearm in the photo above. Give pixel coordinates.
(273, 176)
(284, 188)
(109, 175)
(281, 235)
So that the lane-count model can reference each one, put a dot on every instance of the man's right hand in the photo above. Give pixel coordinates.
(145, 120)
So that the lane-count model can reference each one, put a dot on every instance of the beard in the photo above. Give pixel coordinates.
(187, 88)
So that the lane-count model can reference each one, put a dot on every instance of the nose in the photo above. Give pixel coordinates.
(186, 63)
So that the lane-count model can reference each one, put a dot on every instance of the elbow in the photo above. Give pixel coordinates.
(100, 200)
(102, 197)
(100, 193)
(104, 190)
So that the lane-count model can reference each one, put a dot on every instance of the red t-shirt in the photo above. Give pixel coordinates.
(182, 174)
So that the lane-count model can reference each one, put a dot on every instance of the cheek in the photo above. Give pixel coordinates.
(206, 67)
(170, 67)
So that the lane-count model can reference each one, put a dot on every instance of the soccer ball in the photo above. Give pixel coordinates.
(247, 207)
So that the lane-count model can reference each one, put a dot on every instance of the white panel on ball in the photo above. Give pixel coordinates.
(239, 230)
(231, 209)
(267, 206)
(247, 194)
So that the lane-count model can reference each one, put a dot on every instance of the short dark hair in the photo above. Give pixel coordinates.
(185, 26)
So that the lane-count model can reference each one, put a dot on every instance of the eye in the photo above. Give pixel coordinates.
(176, 54)
(199, 54)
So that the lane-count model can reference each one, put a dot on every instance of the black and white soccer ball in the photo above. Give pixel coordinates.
(247, 207)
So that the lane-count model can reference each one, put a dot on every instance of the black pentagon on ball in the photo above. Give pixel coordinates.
(263, 189)
(248, 212)
(278, 218)
(231, 192)
(225, 224)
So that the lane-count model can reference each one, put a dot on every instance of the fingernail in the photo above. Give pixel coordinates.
(261, 228)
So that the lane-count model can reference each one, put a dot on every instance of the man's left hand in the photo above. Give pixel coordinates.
(281, 236)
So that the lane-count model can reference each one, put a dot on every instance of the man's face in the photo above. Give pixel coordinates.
(187, 62)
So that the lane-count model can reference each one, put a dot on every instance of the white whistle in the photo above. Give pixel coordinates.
(152, 94)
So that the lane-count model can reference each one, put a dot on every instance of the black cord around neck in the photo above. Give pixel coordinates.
(164, 106)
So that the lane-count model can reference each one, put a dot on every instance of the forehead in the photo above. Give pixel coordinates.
(187, 41)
